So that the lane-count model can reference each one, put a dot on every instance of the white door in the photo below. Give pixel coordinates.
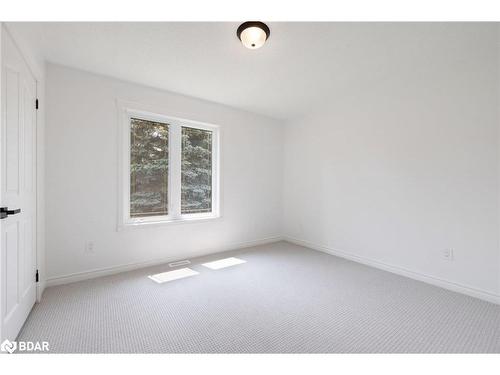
(18, 262)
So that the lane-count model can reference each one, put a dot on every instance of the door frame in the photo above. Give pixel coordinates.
(4, 31)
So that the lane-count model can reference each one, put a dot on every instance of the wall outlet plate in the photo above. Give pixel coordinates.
(89, 247)
(448, 254)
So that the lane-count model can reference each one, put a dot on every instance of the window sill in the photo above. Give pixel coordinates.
(168, 222)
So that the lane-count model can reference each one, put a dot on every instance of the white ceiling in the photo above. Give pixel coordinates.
(291, 75)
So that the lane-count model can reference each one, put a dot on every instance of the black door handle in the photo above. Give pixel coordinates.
(4, 212)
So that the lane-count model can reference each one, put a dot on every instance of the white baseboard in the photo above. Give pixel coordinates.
(459, 288)
(92, 274)
(456, 287)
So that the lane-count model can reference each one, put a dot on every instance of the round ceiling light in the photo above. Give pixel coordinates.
(253, 34)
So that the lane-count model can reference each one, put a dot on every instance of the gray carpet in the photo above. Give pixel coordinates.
(284, 299)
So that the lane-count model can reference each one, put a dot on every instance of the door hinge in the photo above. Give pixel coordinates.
(36, 276)
(36, 104)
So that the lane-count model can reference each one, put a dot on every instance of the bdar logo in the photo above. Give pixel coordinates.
(8, 346)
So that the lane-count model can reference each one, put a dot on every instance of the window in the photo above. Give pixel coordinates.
(196, 188)
(148, 168)
(169, 169)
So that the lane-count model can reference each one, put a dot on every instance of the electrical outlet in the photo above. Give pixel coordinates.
(89, 247)
(448, 254)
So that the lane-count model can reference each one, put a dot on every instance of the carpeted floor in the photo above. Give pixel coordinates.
(284, 299)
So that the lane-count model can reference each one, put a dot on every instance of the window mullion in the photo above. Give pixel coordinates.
(126, 168)
(175, 171)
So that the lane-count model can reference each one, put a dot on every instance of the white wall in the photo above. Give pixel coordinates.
(392, 170)
(395, 170)
(81, 183)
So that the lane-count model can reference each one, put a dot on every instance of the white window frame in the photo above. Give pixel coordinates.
(127, 111)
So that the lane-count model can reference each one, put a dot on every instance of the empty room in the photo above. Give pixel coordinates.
(250, 187)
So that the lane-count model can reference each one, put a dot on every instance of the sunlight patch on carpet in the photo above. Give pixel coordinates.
(173, 275)
(223, 263)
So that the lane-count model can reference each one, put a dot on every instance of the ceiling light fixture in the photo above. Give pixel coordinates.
(253, 34)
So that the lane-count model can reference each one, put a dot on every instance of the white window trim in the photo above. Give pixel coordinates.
(128, 110)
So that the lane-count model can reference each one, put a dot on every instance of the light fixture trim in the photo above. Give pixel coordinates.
(249, 24)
